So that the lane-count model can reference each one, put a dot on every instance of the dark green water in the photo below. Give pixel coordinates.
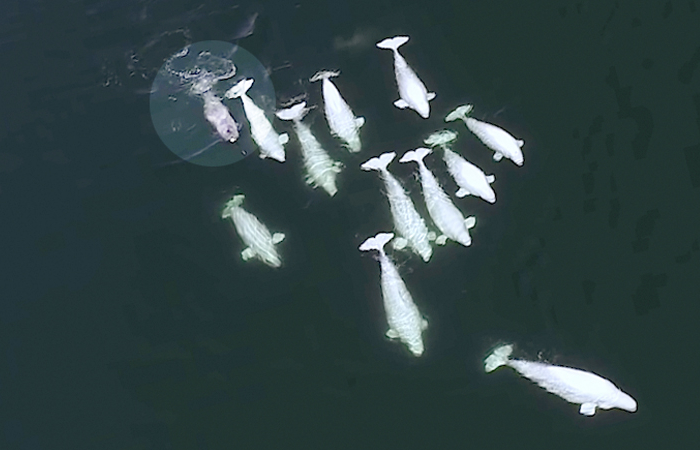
(129, 321)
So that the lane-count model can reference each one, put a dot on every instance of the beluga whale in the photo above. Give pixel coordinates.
(444, 213)
(321, 170)
(587, 389)
(412, 92)
(341, 120)
(470, 179)
(405, 321)
(407, 222)
(271, 144)
(260, 243)
(219, 117)
(495, 138)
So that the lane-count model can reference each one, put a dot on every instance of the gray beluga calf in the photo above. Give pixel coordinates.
(495, 138)
(444, 213)
(405, 321)
(341, 120)
(219, 116)
(573, 385)
(271, 144)
(408, 223)
(321, 170)
(470, 179)
(260, 243)
(412, 92)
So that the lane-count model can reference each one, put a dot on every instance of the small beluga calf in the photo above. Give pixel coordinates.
(495, 138)
(412, 92)
(219, 117)
(470, 179)
(341, 120)
(407, 222)
(260, 243)
(444, 213)
(405, 321)
(271, 144)
(573, 385)
(321, 170)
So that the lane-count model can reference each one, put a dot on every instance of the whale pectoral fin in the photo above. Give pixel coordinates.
(490, 179)
(520, 142)
(283, 138)
(247, 253)
(392, 334)
(423, 324)
(277, 238)
(401, 104)
(461, 192)
(497, 156)
(359, 121)
(441, 240)
(469, 222)
(432, 236)
(587, 409)
(431, 95)
(399, 243)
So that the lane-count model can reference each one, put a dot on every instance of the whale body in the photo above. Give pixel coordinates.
(341, 120)
(321, 170)
(444, 213)
(408, 223)
(587, 389)
(219, 116)
(271, 144)
(260, 243)
(412, 92)
(405, 321)
(495, 138)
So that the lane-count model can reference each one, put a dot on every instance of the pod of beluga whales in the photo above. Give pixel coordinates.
(406, 323)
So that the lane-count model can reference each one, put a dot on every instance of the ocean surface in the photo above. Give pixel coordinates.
(128, 319)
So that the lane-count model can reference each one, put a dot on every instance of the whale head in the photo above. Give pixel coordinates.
(626, 402)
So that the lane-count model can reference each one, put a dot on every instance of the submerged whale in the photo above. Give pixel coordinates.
(573, 385)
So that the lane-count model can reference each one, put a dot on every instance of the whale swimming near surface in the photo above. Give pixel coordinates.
(219, 116)
(573, 385)
(412, 92)
(408, 223)
(405, 321)
(260, 243)
(470, 179)
(444, 213)
(341, 120)
(495, 138)
(271, 144)
(321, 170)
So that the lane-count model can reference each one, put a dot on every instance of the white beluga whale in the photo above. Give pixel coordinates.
(573, 385)
(470, 179)
(407, 222)
(321, 170)
(219, 116)
(271, 144)
(412, 92)
(341, 120)
(260, 243)
(444, 213)
(405, 321)
(495, 138)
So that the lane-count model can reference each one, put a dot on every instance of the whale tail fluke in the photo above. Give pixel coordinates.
(392, 43)
(239, 88)
(377, 242)
(296, 112)
(459, 113)
(379, 163)
(324, 74)
(416, 155)
(235, 202)
(498, 357)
